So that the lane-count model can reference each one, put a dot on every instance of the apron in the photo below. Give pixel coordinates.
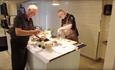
(70, 33)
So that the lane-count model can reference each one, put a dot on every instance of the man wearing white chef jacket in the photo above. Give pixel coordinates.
(22, 29)
(68, 25)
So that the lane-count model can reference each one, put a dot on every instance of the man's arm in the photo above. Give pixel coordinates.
(20, 32)
(66, 27)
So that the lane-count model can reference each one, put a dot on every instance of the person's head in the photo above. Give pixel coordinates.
(61, 13)
(31, 10)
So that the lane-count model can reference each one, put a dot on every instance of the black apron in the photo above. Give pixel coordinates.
(72, 33)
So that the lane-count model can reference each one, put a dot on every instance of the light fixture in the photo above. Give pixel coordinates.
(55, 3)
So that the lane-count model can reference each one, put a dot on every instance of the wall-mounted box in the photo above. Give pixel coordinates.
(107, 9)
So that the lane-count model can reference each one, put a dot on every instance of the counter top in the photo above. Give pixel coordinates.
(57, 51)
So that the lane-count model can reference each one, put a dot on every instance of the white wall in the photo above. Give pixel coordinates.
(110, 52)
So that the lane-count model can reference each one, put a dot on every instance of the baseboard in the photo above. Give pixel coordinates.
(97, 60)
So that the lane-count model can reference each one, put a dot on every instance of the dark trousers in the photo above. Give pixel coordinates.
(18, 55)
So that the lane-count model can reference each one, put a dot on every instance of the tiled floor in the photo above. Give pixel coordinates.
(85, 63)
(88, 64)
(4, 61)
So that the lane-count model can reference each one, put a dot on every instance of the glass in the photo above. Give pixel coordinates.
(61, 35)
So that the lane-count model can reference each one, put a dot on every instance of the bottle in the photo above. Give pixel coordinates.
(42, 44)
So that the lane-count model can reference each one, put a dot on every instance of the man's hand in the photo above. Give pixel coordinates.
(60, 30)
(34, 32)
